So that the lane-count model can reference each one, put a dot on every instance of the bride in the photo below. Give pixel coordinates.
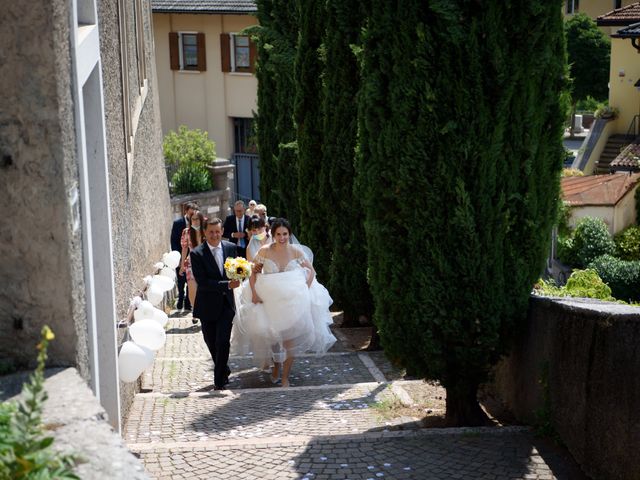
(282, 311)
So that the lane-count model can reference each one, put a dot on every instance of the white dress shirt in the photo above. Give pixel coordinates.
(217, 255)
(239, 226)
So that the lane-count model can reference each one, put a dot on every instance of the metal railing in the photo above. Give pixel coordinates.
(633, 130)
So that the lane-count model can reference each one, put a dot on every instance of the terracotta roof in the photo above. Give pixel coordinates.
(621, 16)
(628, 159)
(602, 190)
(204, 6)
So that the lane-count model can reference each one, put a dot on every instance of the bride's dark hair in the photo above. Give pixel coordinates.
(277, 223)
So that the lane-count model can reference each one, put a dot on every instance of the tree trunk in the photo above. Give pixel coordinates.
(374, 343)
(463, 408)
(349, 320)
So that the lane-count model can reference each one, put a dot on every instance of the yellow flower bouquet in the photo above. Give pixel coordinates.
(237, 268)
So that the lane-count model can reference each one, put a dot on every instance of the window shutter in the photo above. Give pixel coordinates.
(202, 54)
(253, 55)
(225, 52)
(174, 55)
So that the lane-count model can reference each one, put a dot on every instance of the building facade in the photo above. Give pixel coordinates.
(86, 204)
(205, 63)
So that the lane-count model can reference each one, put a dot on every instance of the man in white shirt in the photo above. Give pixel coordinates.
(236, 228)
(214, 304)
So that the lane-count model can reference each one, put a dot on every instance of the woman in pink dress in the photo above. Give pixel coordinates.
(192, 236)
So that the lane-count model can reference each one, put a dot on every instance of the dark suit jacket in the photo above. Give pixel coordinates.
(212, 296)
(230, 226)
(179, 224)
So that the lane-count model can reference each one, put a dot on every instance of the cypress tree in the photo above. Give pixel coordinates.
(461, 118)
(277, 37)
(348, 267)
(308, 117)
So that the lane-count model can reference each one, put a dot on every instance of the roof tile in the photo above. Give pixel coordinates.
(204, 6)
(621, 16)
(604, 190)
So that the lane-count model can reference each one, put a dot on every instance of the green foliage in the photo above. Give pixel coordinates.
(348, 268)
(582, 283)
(623, 276)
(591, 238)
(448, 212)
(191, 178)
(628, 243)
(312, 171)
(189, 152)
(25, 451)
(637, 199)
(188, 146)
(588, 51)
(276, 39)
(588, 104)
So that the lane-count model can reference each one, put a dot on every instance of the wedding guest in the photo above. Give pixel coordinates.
(261, 211)
(259, 236)
(250, 210)
(176, 234)
(192, 236)
(236, 227)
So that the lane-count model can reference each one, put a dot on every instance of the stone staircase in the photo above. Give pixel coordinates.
(348, 415)
(615, 144)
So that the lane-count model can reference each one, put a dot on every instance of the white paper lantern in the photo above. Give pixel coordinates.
(162, 283)
(148, 333)
(160, 317)
(133, 359)
(172, 259)
(168, 272)
(145, 310)
(155, 295)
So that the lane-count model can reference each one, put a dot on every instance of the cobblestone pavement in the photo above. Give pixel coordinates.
(329, 425)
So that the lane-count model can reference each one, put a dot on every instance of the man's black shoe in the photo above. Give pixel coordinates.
(217, 387)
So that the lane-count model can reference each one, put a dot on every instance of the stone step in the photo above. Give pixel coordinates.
(404, 455)
(230, 416)
(185, 375)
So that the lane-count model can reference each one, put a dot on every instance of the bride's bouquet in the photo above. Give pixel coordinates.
(237, 268)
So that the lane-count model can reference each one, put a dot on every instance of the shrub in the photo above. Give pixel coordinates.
(623, 276)
(25, 451)
(572, 172)
(628, 243)
(189, 152)
(191, 178)
(588, 104)
(581, 283)
(591, 239)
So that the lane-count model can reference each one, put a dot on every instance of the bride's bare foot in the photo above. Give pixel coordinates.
(285, 382)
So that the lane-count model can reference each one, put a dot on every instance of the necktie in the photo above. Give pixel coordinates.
(217, 255)
(240, 240)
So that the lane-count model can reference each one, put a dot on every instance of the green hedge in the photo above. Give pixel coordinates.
(191, 178)
(628, 243)
(623, 276)
(590, 239)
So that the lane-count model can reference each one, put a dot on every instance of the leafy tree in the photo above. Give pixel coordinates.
(189, 153)
(461, 125)
(348, 267)
(588, 52)
(276, 38)
(308, 118)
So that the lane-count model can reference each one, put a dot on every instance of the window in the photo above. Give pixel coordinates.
(617, 4)
(187, 51)
(238, 53)
(244, 141)
(573, 6)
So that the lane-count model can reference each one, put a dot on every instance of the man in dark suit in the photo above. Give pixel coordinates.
(179, 224)
(214, 304)
(236, 228)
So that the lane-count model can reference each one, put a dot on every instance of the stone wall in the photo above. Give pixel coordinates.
(140, 207)
(589, 353)
(41, 271)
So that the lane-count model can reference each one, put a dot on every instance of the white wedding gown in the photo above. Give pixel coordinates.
(292, 318)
